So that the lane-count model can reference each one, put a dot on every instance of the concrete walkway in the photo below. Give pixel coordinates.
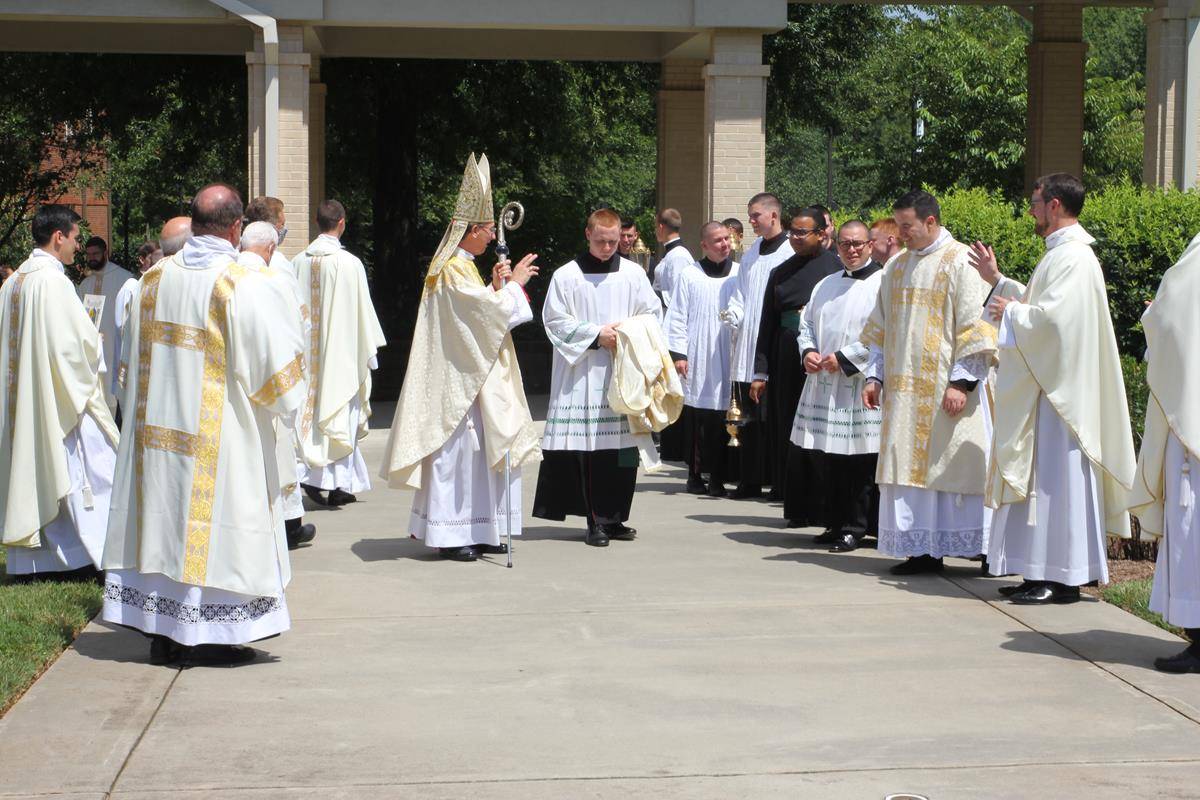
(717, 656)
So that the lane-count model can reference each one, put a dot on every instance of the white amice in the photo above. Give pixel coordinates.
(1176, 592)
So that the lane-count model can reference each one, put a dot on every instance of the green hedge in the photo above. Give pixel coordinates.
(1139, 231)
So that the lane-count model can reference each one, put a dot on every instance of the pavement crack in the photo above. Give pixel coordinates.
(125, 762)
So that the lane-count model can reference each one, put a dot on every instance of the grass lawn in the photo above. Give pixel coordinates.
(1134, 597)
(37, 622)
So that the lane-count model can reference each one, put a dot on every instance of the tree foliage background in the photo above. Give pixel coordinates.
(864, 102)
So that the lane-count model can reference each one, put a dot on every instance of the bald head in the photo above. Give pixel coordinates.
(217, 211)
(175, 232)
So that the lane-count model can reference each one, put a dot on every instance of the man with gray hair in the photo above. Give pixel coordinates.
(175, 233)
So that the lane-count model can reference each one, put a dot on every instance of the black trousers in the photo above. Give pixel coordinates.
(706, 443)
(597, 485)
(753, 456)
(832, 491)
(670, 442)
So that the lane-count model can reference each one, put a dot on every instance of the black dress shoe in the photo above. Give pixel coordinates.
(164, 651)
(492, 549)
(1181, 663)
(217, 655)
(747, 492)
(826, 537)
(845, 543)
(1046, 592)
(617, 530)
(1009, 591)
(467, 553)
(302, 535)
(917, 565)
(696, 486)
(596, 537)
(339, 498)
(716, 489)
(314, 494)
(983, 567)
(774, 495)
(795, 523)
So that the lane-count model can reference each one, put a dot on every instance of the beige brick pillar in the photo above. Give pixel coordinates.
(681, 147)
(293, 139)
(1054, 140)
(1168, 32)
(735, 124)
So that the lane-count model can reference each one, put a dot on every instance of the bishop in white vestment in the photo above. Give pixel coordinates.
(1062, 455)
(744, 312)
(462, 424)
(700, 347)
(931, 350)
(196, 551)
(342, 350)
(105, 279)
(1166, 490)
(57, 437)
(837, 436)
(590, 453)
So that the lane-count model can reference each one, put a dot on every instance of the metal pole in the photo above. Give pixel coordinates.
(511, 217)
(508, 504)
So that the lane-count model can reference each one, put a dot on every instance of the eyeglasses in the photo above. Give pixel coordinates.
(800, 233)
(851, 245)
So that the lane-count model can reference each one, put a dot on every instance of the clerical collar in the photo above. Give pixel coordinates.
(942, 237)
(459, 252)
(1071, 233)
(590, 265)
(715, 269)
(769, 246)
(671, 245)
(865, 271)
(40, 253)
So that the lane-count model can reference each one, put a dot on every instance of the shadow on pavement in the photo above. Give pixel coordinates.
(1105, 647)
(859, 563)
(774, 523)
(392, 549)
(554, 534)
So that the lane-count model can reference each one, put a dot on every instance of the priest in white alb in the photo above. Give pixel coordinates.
(590, 453)
(57, 437)
(343, 343)
(700, 346)
(196, 551)
(837, 436)
(931, 351)
(1166, 488)
(744, 312)
(1062, 453)
(462, 426)
(104, 279)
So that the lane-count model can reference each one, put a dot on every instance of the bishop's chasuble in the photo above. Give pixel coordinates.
(57, 437)
(107, 283)
(1166, 490)
(927, 330)
(196, 549)
(1062, 456)
(342, 347)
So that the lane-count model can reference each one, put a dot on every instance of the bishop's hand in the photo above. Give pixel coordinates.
(500, 274)
(525, 270)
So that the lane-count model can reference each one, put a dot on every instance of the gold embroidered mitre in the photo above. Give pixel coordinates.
(473, 207)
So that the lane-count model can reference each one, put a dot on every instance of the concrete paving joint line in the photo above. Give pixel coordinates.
(125, 761)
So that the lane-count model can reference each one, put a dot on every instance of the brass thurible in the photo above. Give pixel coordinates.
(734, 418)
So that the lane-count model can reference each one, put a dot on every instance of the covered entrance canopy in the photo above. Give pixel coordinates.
(712, 97)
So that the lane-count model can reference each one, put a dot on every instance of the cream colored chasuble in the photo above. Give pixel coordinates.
(214, 355)
(929, 316)
(49, 355)
(108, 283)
(1065, 349)
(342, 344)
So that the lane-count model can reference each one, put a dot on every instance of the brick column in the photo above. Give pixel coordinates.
(735, 111)
(316, 138)
(1167, 102)
(681, 147)
(294, 93)
(1054, 140)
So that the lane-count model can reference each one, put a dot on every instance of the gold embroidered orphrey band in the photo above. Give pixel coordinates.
(14, 348)
(205, 445)
(314, 341)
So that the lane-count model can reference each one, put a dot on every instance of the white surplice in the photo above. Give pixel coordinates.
(830, 416)
(577, 305)
(196, 549)
(108, 282)
(695, 329)
(124, 297)
(745, 303)
(74, 538)
(344, 338)
(462, 501)
(1176, 592)
(676, 262)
